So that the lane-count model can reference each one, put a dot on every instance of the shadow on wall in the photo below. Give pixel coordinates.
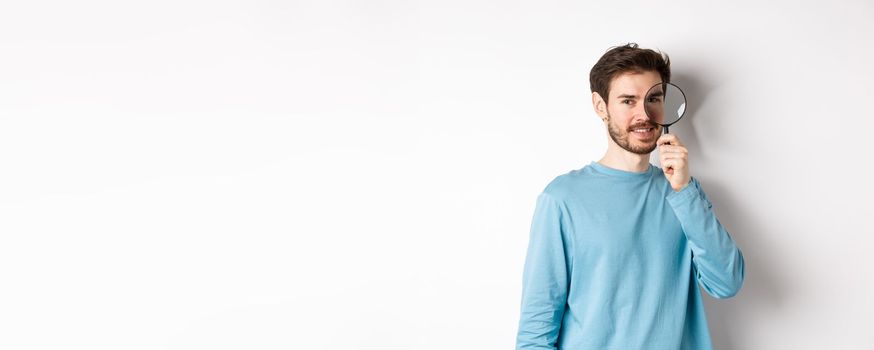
(730, 319)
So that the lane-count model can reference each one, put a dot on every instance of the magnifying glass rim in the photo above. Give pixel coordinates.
(686, 101)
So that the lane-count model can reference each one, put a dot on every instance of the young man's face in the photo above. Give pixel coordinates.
(627, 122)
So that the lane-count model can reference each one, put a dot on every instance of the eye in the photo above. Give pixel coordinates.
(627, 101)
(655, 99)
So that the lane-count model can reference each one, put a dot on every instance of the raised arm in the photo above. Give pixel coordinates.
(719, 263)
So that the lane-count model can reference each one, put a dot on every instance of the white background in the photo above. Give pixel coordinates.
(362, 175)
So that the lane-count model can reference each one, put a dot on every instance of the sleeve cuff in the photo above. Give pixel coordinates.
(685, 195)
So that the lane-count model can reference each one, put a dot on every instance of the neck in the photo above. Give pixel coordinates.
(618, 158)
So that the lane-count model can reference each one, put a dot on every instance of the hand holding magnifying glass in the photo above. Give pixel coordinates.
(665, 104)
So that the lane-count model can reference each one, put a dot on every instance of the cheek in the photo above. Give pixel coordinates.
(620, 116)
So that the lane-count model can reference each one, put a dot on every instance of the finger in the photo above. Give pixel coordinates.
(671, 164)
(675, 157)
(673, 149)
(669, 139)
(674, 152)
(667, 161)
(666, 139)
(668, 168)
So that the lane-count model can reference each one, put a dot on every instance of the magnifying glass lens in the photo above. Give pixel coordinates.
(665, 104)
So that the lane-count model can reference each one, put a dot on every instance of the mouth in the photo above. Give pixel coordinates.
(645, 132)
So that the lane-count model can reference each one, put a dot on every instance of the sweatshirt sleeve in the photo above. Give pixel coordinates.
(545, 278)
(718, 262)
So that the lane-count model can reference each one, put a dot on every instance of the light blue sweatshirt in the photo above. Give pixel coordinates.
(613, 260)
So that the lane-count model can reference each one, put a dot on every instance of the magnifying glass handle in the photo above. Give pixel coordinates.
(666, 131)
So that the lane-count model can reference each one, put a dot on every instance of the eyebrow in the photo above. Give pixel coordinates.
(654, 94)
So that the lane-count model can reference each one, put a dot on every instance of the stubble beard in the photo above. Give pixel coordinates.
(622, 138)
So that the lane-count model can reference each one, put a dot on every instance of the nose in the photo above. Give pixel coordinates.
(639, 114)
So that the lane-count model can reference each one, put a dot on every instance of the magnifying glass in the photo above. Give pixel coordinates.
(665, 104)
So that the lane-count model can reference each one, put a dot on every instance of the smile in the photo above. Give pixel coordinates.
(644, 132)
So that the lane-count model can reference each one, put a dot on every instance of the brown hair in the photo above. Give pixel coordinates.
(623, 59)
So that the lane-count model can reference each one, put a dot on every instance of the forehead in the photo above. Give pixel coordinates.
(633, 83)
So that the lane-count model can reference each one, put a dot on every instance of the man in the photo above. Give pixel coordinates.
(618, 248)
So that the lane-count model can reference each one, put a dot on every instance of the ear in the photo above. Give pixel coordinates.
(600, 105)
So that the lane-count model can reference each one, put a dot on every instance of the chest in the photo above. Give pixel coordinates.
(639, 225)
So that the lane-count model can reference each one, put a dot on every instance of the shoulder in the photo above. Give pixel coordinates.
(561, 186)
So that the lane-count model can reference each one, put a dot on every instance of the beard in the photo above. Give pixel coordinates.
(622, 137)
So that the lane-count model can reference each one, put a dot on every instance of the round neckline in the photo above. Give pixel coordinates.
(612, 171)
